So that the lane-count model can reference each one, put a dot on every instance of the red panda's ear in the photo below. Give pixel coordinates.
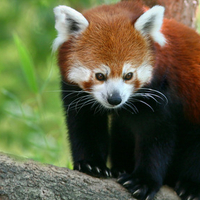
(150, 23)
(68, 22)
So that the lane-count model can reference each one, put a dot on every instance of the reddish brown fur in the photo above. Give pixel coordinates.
(120, 42)
(181, 58)
(111, 38)
(113, 41)
(64, 58)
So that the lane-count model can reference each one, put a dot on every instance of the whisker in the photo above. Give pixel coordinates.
(71, 103)
(67, 96)
(124, 107)
(71, 92)
(88, 102)
(77, 87)
(152, 97)
(148, 95)
(74, 91)
(133, 107)
(144, 103)
(74, 103)
(156, 91)
(157, 96)
(116, 111)
(95, 103)
(100, 108)
(79, 102)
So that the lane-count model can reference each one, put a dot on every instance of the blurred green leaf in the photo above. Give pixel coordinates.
(26, 64)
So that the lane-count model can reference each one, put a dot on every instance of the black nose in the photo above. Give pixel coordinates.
(114, 99)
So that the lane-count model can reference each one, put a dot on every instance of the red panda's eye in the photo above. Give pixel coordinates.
(100, 77)
(128, 76)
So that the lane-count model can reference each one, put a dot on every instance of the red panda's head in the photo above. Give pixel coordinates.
(107, 51)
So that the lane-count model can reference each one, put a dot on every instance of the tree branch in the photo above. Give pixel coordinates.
(22, 179)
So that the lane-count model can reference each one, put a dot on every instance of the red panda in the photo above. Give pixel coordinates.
(127, 62)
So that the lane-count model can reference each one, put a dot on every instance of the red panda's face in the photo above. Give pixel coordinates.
(110, 62)
(108, 58)
(115, 91)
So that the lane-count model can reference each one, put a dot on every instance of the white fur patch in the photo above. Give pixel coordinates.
(104, 69)
(64, 16)
(144, 73)
(150, 23)
(79, 74)
(102, 91)
(128, 67)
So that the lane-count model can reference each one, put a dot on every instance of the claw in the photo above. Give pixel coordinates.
(98, 170)
(79, 167)
(106, 172)
(189, 198)
(110, 173)
(89, 167)
(120, 179)
(148, 198)
(127, 183)
(136, 192)
(182, 193)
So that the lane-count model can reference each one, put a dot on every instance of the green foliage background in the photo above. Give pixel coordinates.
(31, 117)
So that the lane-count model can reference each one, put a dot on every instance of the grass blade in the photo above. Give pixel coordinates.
(26, 64)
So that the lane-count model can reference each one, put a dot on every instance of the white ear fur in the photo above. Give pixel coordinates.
(68, 22)
(151, 22)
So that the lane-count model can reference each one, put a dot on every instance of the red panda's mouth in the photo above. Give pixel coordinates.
(111, 101)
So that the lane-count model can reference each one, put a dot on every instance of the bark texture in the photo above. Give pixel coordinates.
(28, 180)
(183, 11)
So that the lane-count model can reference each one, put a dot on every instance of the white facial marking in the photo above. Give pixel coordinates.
(128, 67)
(104, 69)
(144, 73)
(108, 88)
(79, 74)
(150, 23)
(101, 92)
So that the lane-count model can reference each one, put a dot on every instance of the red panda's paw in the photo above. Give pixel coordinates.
(188, 190)
(93, 169)
(116, 172)
(142, 189)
